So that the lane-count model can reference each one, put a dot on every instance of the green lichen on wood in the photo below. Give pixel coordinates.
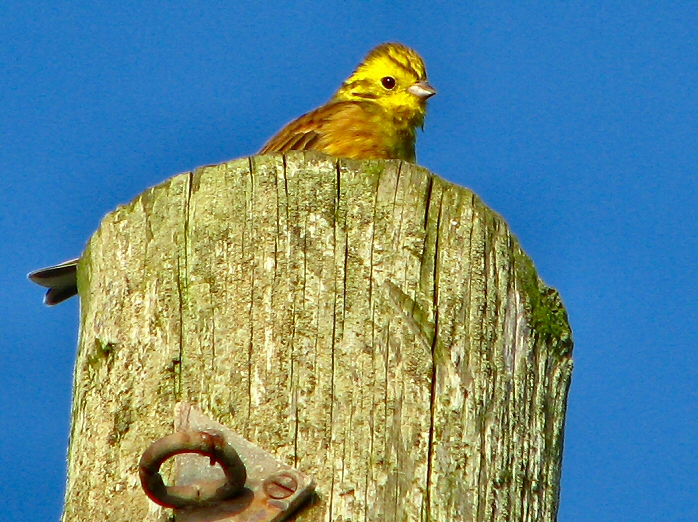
(548, 316)
(83, 280)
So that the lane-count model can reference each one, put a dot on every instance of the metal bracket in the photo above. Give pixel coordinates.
(204, 492)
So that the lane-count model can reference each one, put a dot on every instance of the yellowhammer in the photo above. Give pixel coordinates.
(373, 115)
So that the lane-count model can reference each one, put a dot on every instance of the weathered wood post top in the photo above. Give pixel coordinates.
(369, 323)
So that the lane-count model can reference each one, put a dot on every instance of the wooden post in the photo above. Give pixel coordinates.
(366, 322)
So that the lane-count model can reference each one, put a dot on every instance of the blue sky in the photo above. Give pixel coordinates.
(575, 122)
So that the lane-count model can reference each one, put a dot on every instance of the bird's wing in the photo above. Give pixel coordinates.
(300, 134)
(324, 129)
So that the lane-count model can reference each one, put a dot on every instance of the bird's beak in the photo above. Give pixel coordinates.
(422, 90)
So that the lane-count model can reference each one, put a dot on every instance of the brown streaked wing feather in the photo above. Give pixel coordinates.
(303, 141)
(300, 134)
(346, 129)
(358, 130)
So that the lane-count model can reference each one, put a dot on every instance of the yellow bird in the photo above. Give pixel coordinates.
(374, 115)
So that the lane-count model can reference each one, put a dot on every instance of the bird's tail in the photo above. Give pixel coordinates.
(61, 281)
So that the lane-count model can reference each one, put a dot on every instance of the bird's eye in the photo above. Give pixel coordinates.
(388, 82)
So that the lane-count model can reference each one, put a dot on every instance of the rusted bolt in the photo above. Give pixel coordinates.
(281, 485)
(211, 445)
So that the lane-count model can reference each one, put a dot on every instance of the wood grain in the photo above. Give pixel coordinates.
(367, 322)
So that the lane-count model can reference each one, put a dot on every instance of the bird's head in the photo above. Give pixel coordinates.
(394, 77)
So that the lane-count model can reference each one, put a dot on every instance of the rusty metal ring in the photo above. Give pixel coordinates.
(208, 444)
